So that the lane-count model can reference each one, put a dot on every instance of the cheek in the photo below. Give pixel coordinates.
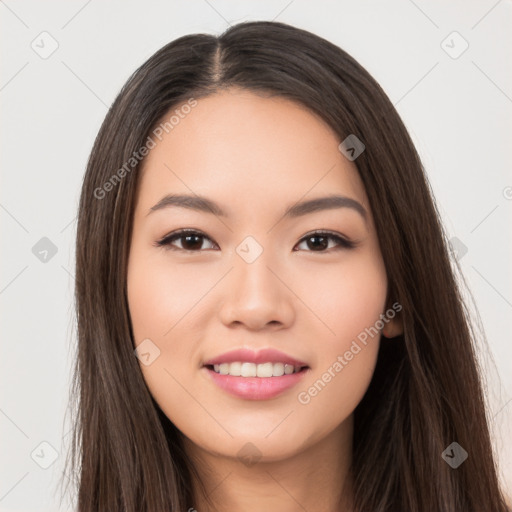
(162, 295)
(167, 304)
(346, 299)
(347, 352)
(161, 302)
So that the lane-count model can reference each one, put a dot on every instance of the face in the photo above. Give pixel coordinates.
(293, 292)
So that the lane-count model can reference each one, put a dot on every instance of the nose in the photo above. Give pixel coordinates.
(257, 296)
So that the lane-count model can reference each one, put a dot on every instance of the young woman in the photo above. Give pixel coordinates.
(267, 313)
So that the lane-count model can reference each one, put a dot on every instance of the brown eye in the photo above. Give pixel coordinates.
(319, 241)
(191, 241)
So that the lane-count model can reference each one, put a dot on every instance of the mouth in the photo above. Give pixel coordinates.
(250, 381)
(252, 375)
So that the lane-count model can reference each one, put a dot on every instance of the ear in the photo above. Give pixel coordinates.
(394, 325)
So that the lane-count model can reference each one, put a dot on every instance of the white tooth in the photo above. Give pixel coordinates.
(235, 369)
(278, 369)
(248, 370)
(264, 370)
(288, 368)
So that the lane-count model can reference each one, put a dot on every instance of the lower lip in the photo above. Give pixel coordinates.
(256, 388)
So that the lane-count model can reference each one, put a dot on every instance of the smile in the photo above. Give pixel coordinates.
(252, 375)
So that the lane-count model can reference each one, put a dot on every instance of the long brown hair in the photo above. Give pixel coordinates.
(426, 391)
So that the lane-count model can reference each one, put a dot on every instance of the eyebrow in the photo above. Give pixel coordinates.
(203, 204)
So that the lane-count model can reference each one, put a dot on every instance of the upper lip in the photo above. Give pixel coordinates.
(267, 355)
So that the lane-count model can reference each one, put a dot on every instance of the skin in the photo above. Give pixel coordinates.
(255, 156)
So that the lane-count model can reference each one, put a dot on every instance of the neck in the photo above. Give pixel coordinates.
(316, 479)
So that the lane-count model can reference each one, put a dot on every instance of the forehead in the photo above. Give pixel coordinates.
(247, 150)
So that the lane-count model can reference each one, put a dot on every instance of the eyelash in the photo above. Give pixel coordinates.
(168, 239)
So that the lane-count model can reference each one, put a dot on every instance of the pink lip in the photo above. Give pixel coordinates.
(255, 388)
(244, 355)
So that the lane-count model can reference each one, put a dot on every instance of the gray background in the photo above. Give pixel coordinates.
(457, 107)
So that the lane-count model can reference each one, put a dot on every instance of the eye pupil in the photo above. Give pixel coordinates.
(196, 245)
(323, 245)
